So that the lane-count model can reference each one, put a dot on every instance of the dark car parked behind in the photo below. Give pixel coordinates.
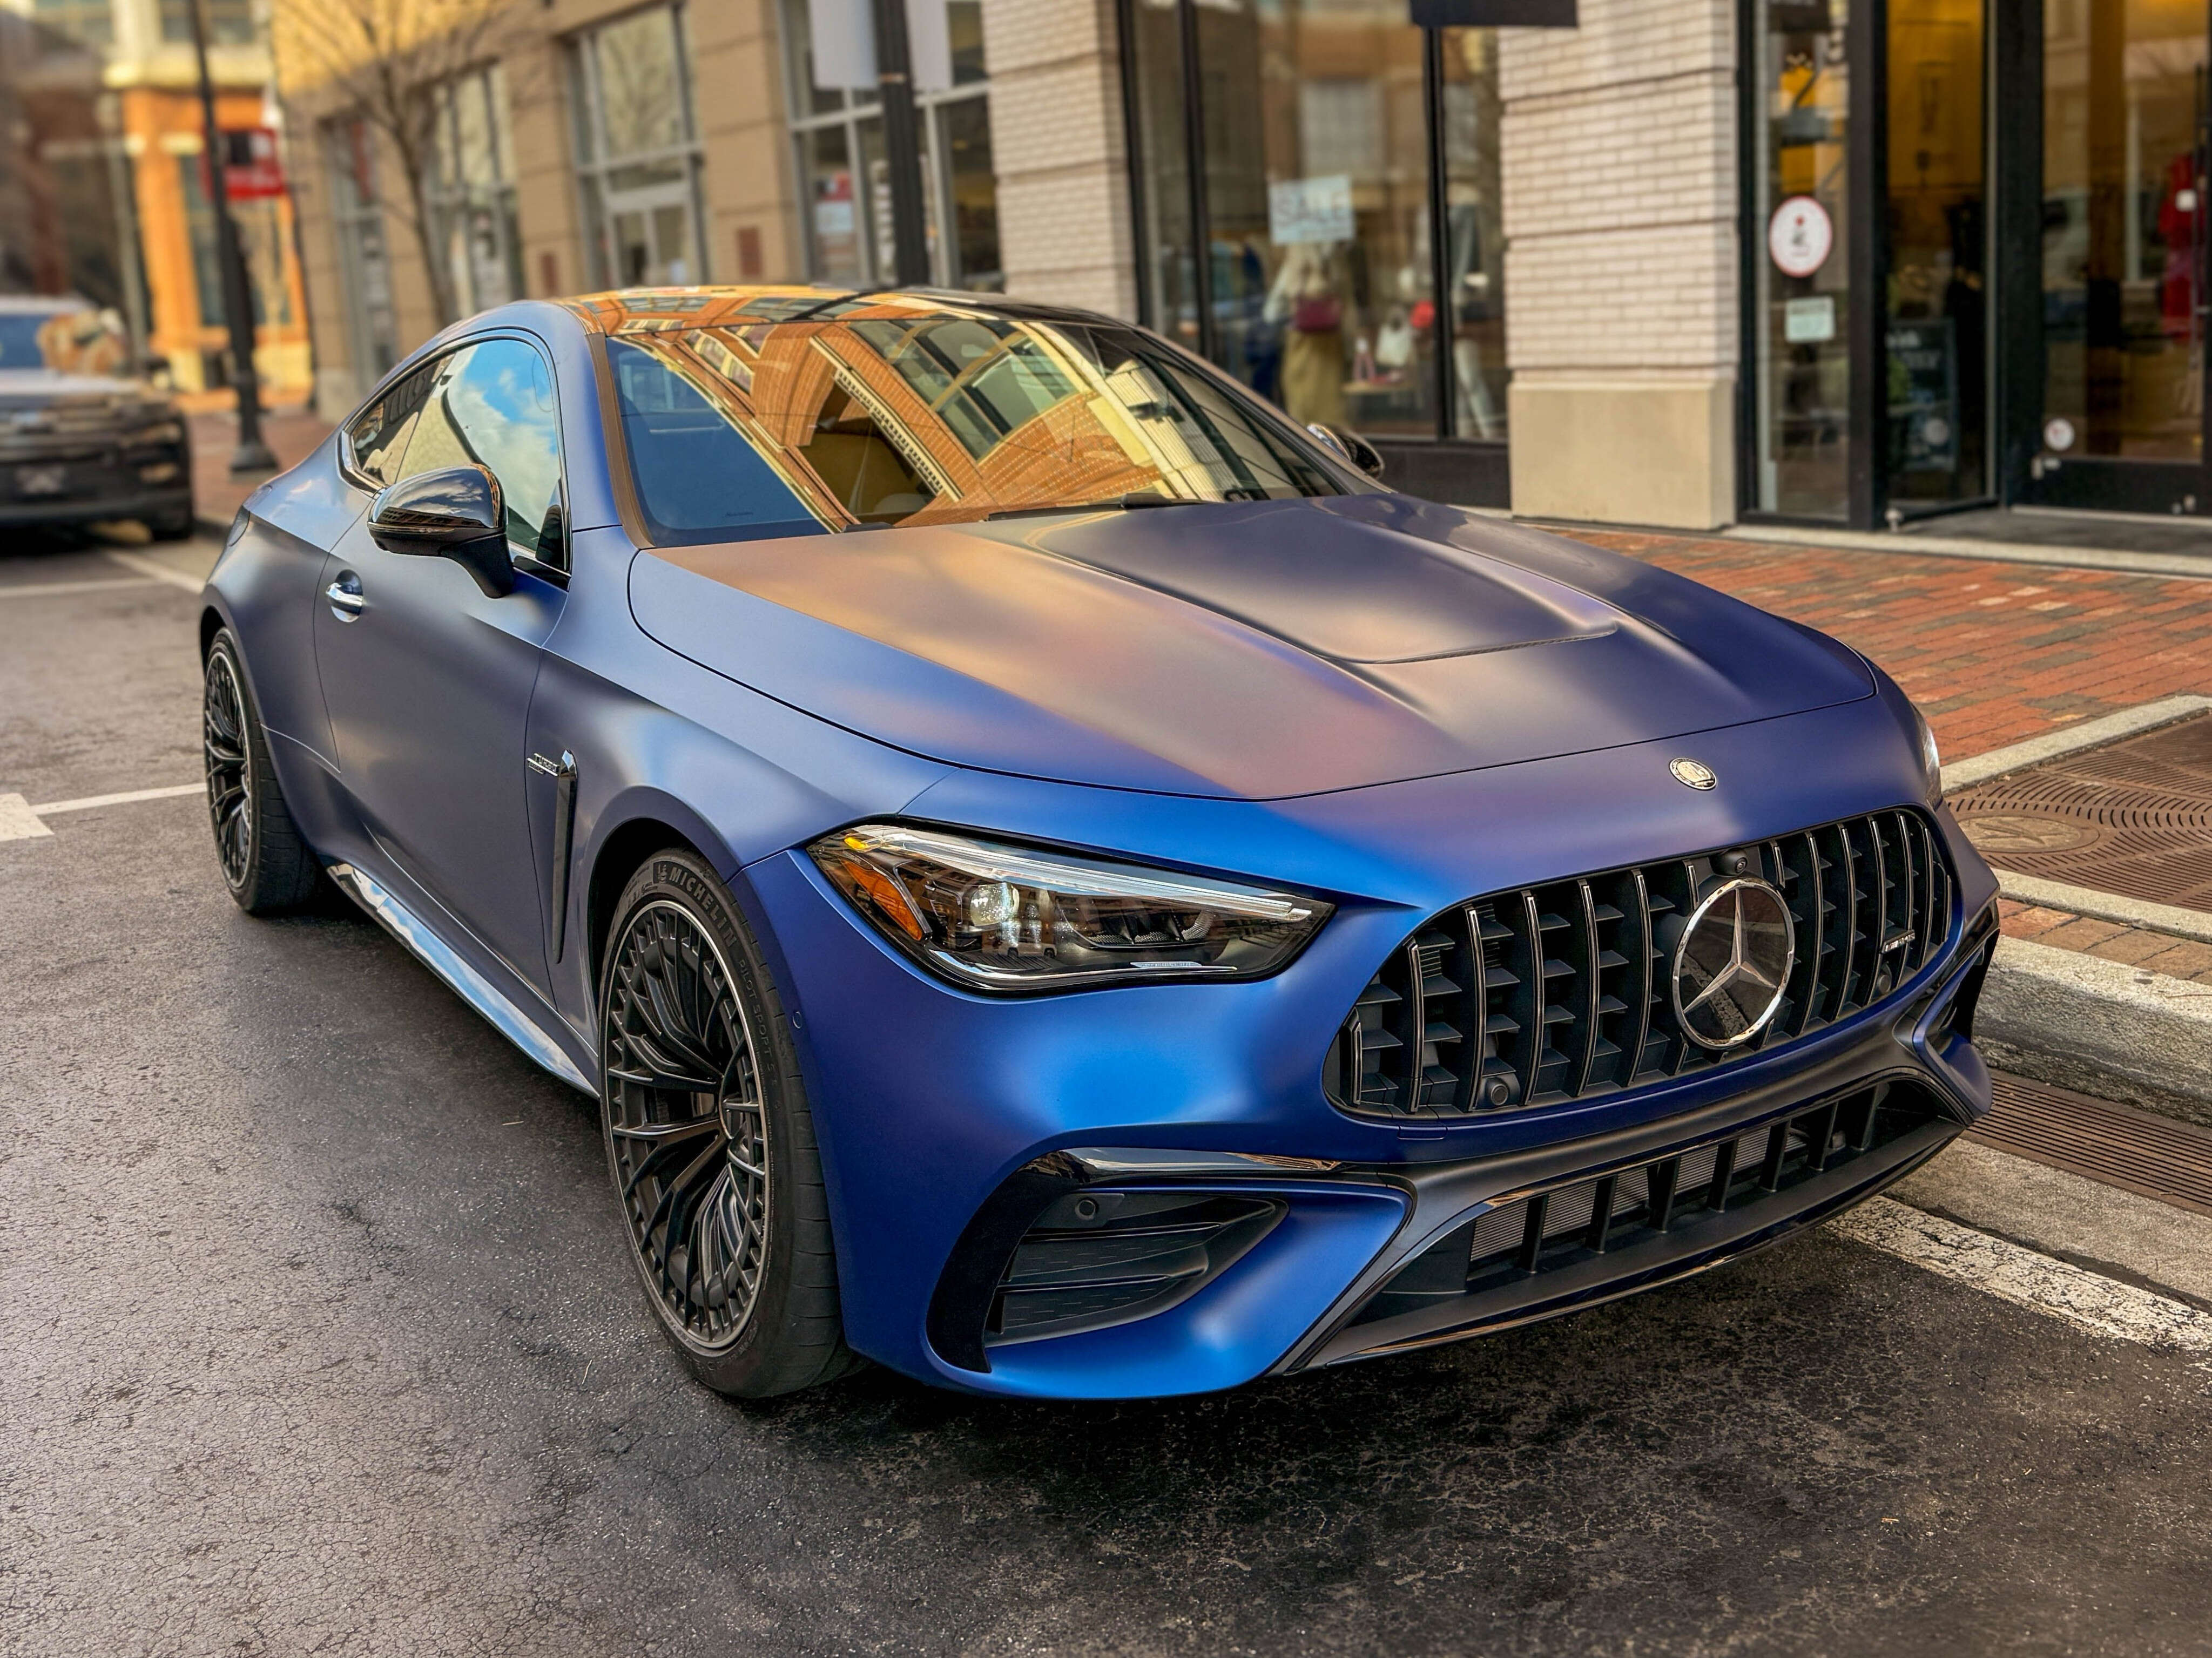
(81, 442)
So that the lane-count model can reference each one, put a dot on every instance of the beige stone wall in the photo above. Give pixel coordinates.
(1056, 142)
(746, 179)
(1619, 141)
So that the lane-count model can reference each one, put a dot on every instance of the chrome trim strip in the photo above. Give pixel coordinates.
(471, 986)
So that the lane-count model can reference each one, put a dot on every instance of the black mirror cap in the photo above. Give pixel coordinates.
(454, 513)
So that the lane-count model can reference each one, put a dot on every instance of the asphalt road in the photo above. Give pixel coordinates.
(319, 1336)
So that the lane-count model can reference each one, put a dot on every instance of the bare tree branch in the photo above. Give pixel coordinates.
(387, 62)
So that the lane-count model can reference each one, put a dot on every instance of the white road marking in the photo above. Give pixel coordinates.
(155, 568)
(54, 589)
(18, 821)
(2086, 1300)
(129, 797)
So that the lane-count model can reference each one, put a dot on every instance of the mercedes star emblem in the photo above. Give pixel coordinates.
(1732, 964)
(1692, 774)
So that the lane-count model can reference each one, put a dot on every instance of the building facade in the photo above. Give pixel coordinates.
(1689, 263)
(129, 182)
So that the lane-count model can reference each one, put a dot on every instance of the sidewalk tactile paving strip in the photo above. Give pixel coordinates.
(2136, 1151)
(2132, 817)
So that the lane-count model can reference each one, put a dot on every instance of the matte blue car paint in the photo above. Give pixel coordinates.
(1056, 648)
(772, 726)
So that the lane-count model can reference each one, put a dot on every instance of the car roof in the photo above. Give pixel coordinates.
(636, 310)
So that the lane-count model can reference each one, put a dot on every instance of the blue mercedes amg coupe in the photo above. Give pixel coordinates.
(1061, 883)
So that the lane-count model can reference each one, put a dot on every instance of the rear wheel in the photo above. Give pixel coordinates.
(267, 865)
(709, 1140)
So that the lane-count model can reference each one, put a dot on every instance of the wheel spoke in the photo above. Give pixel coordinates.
(697, 1203)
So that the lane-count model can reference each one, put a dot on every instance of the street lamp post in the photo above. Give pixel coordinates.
(251, 454)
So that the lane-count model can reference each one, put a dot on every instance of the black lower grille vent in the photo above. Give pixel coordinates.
(1530, 1236)
(1563, 992)
(1098, 1257)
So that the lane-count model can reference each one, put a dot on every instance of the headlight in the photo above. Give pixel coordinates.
(1931, 760)
(1009, 918)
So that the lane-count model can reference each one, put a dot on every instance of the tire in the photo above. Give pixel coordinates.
(709, 1141)
(173, 526)
(266, 862)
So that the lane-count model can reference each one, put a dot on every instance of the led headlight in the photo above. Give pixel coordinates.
(999, 917)
(1931, 759)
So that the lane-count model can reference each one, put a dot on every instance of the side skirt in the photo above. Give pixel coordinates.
(471, 986)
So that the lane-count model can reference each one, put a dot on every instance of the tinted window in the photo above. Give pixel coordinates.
(893, 409)
(491, 404)
(698, 477)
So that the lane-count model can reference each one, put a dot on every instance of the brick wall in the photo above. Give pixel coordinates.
(1620, 158)
(1618, 147)
(1056, 142)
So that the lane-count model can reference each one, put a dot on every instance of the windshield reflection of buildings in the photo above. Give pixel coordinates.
(896, 410)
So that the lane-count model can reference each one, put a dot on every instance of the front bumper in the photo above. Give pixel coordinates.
(153, 481)
(932, 1104)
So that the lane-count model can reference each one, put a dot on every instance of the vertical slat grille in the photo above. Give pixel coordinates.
(1563, 991)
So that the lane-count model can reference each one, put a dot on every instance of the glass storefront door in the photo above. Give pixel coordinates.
(1936, 332)
(2123, 244)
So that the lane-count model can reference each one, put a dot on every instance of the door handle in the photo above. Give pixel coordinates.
(347, 601)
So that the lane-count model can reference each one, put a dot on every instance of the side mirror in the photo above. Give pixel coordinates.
(454, 514)
(1353, 448)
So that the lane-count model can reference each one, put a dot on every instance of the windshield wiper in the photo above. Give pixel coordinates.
(1141, 498)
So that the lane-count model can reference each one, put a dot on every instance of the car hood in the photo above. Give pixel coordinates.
(1248, 650)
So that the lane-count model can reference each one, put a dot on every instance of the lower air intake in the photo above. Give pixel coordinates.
(1100, 1257)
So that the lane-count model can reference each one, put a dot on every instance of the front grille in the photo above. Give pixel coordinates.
(1560, 992)
(1518, 1241)
(1100, 1257)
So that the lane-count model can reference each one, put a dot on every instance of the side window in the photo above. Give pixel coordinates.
(491, 404)
(378, 438)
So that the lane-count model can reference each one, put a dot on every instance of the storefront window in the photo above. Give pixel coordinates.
(229, 22)
(2122, 274)
(844, 177)
(638, 151)
(472, 190)
(1938, 325)
(1473, 203)
(263, 236)
(1317, 129)
(1801, 367)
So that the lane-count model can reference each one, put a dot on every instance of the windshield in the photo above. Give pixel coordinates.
(744, 419)
(69, 342)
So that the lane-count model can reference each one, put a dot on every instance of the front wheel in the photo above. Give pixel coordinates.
(266, 863)
(709, 1140)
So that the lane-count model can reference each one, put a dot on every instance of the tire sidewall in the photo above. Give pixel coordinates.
(684, 880)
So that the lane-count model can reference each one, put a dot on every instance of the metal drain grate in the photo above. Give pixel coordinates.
(2136, 1151)
(2132, 817)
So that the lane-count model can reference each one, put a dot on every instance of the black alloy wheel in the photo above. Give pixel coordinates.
(266, 862)
(230, 768)
(709, 1142)
(685, 1127)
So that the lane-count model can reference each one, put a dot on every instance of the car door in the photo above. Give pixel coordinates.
(428, 679)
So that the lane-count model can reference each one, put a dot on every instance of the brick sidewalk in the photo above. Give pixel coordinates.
(1993, 652)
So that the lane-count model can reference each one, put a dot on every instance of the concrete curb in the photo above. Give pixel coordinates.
(2071, 739)
(2100, 1028)
(2105, 905)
